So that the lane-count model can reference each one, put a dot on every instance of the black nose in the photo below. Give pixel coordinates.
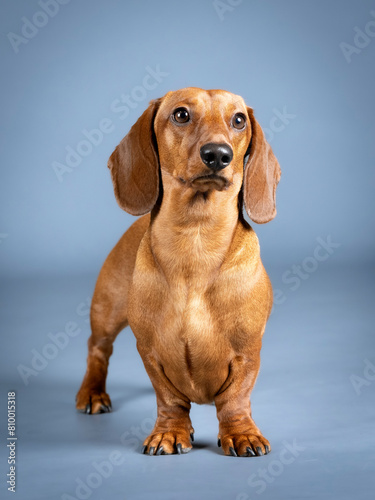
(216, 156)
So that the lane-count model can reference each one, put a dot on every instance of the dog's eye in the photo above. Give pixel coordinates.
(181, 115)
(239, 121)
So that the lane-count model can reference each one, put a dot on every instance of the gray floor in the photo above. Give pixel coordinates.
(320, 426)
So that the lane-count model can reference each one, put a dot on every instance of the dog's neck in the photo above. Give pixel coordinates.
(192, 232)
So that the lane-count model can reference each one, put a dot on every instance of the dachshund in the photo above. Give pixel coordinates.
(187, 276)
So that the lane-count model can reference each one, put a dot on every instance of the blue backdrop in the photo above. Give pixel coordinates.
(75, 75)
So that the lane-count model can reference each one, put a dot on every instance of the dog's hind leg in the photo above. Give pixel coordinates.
(107, 320)
(108, 317)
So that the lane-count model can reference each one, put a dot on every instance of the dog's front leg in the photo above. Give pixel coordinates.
(238, 434)
(173, 432)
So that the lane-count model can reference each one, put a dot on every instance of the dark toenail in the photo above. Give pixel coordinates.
(250, 452)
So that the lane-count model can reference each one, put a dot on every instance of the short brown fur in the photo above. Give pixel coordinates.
(188, 277)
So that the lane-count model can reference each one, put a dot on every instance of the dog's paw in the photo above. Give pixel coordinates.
(168, 443)
(244, 445)
(93, 402)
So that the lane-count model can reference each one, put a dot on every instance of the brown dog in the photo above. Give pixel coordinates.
(188, 278)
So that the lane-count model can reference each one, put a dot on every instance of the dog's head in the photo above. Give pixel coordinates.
(202, 140)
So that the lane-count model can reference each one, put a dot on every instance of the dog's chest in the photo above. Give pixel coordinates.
(197, 319)
(192, 342)
(194, 313)
(192, 316)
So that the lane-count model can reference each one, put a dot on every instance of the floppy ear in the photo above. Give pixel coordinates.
(261, 176)
(134, 165)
